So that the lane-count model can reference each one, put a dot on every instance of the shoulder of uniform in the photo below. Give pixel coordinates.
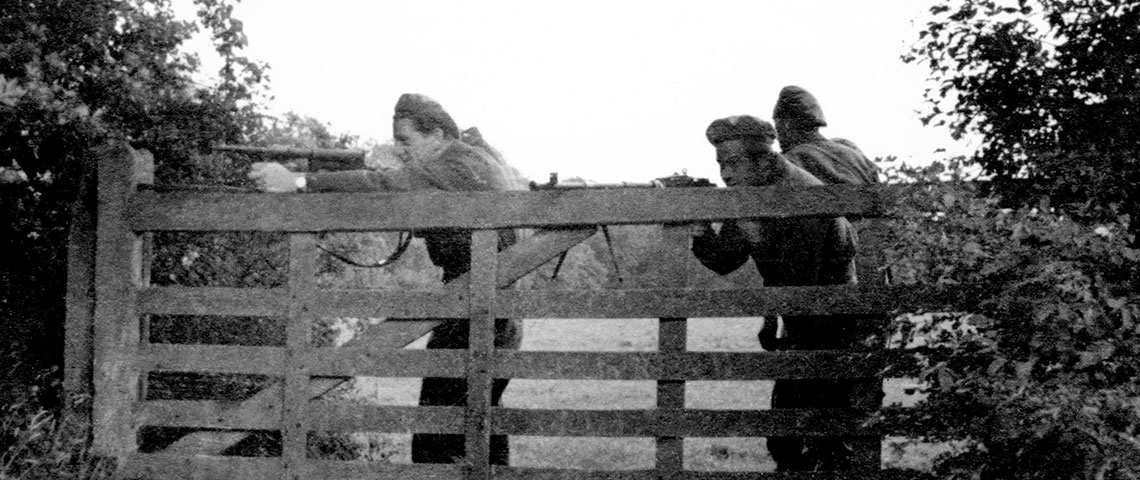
(461, 151)
(797, 175)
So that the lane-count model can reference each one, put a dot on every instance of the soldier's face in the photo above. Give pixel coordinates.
(413, 145)
(737, 168)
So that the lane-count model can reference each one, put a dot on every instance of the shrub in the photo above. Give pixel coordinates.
(41, 444)
(1041, 375)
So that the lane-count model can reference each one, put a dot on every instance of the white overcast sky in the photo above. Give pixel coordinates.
(604, 89)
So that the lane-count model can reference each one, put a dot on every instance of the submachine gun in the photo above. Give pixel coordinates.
(682, 180)
(316, 160)
(303, 159)
(675, 180)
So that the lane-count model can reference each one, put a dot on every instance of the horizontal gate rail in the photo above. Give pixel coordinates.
(198, 468)
(154, 211)
(608, 303)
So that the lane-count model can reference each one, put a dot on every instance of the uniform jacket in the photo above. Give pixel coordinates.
(833, 162)
(459, 168)
(787, 252)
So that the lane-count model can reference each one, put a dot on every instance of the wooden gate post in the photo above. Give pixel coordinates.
(120, 270)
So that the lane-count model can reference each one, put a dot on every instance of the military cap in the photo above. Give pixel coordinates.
(426, 113)
(795, 103)
(738, 127)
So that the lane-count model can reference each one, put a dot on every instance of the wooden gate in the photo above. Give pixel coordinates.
(123, 358)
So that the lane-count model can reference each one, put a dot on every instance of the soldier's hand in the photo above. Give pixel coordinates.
(273, 177)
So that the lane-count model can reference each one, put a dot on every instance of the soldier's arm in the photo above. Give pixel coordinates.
(722, 252)
(274, 177)
(395, 180)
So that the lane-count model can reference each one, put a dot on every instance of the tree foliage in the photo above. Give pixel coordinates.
(74, 75)
(1052, 87)
(1041, 376)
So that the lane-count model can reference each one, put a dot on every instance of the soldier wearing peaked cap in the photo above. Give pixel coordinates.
(433, 157)
(787, 252)
(799, 251)
(798, 117)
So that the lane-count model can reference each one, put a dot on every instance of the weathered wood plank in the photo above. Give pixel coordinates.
(329, 416)
(208, 414)
(671, 340)
(690, 366)
(871, 267)
(681, 423)
(177, 467)
(212, 359)
(608, 303)
(735, 302)
(525, 473)
(295, 394)
(720, 366)
(118, 269)
(331, 469)
(343, 417)
(522, 473)
(481, 344)
(245, 302)
(672, 272)
(154, 211)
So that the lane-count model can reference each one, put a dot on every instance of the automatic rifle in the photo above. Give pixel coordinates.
(681, 180)
(321, 159)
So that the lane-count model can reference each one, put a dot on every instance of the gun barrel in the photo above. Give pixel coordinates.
(281, 153)
(582, 186)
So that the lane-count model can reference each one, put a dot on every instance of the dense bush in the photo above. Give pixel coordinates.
(74, 75)
(1041, 375)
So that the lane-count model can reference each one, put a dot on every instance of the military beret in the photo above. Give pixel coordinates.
(426, 113)
(738, 127)
(795, 103)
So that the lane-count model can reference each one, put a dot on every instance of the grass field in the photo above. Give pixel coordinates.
(629, 453)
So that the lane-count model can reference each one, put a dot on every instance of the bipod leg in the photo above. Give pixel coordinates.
(613, 253)
(558, 266)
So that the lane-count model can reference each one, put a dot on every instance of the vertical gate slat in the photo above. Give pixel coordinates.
(481, 340)
(671, 337)
(295, 394)
(867, 393)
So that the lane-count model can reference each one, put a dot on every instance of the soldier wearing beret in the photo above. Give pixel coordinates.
(787, 252)
(798, 118)
(434, 157)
